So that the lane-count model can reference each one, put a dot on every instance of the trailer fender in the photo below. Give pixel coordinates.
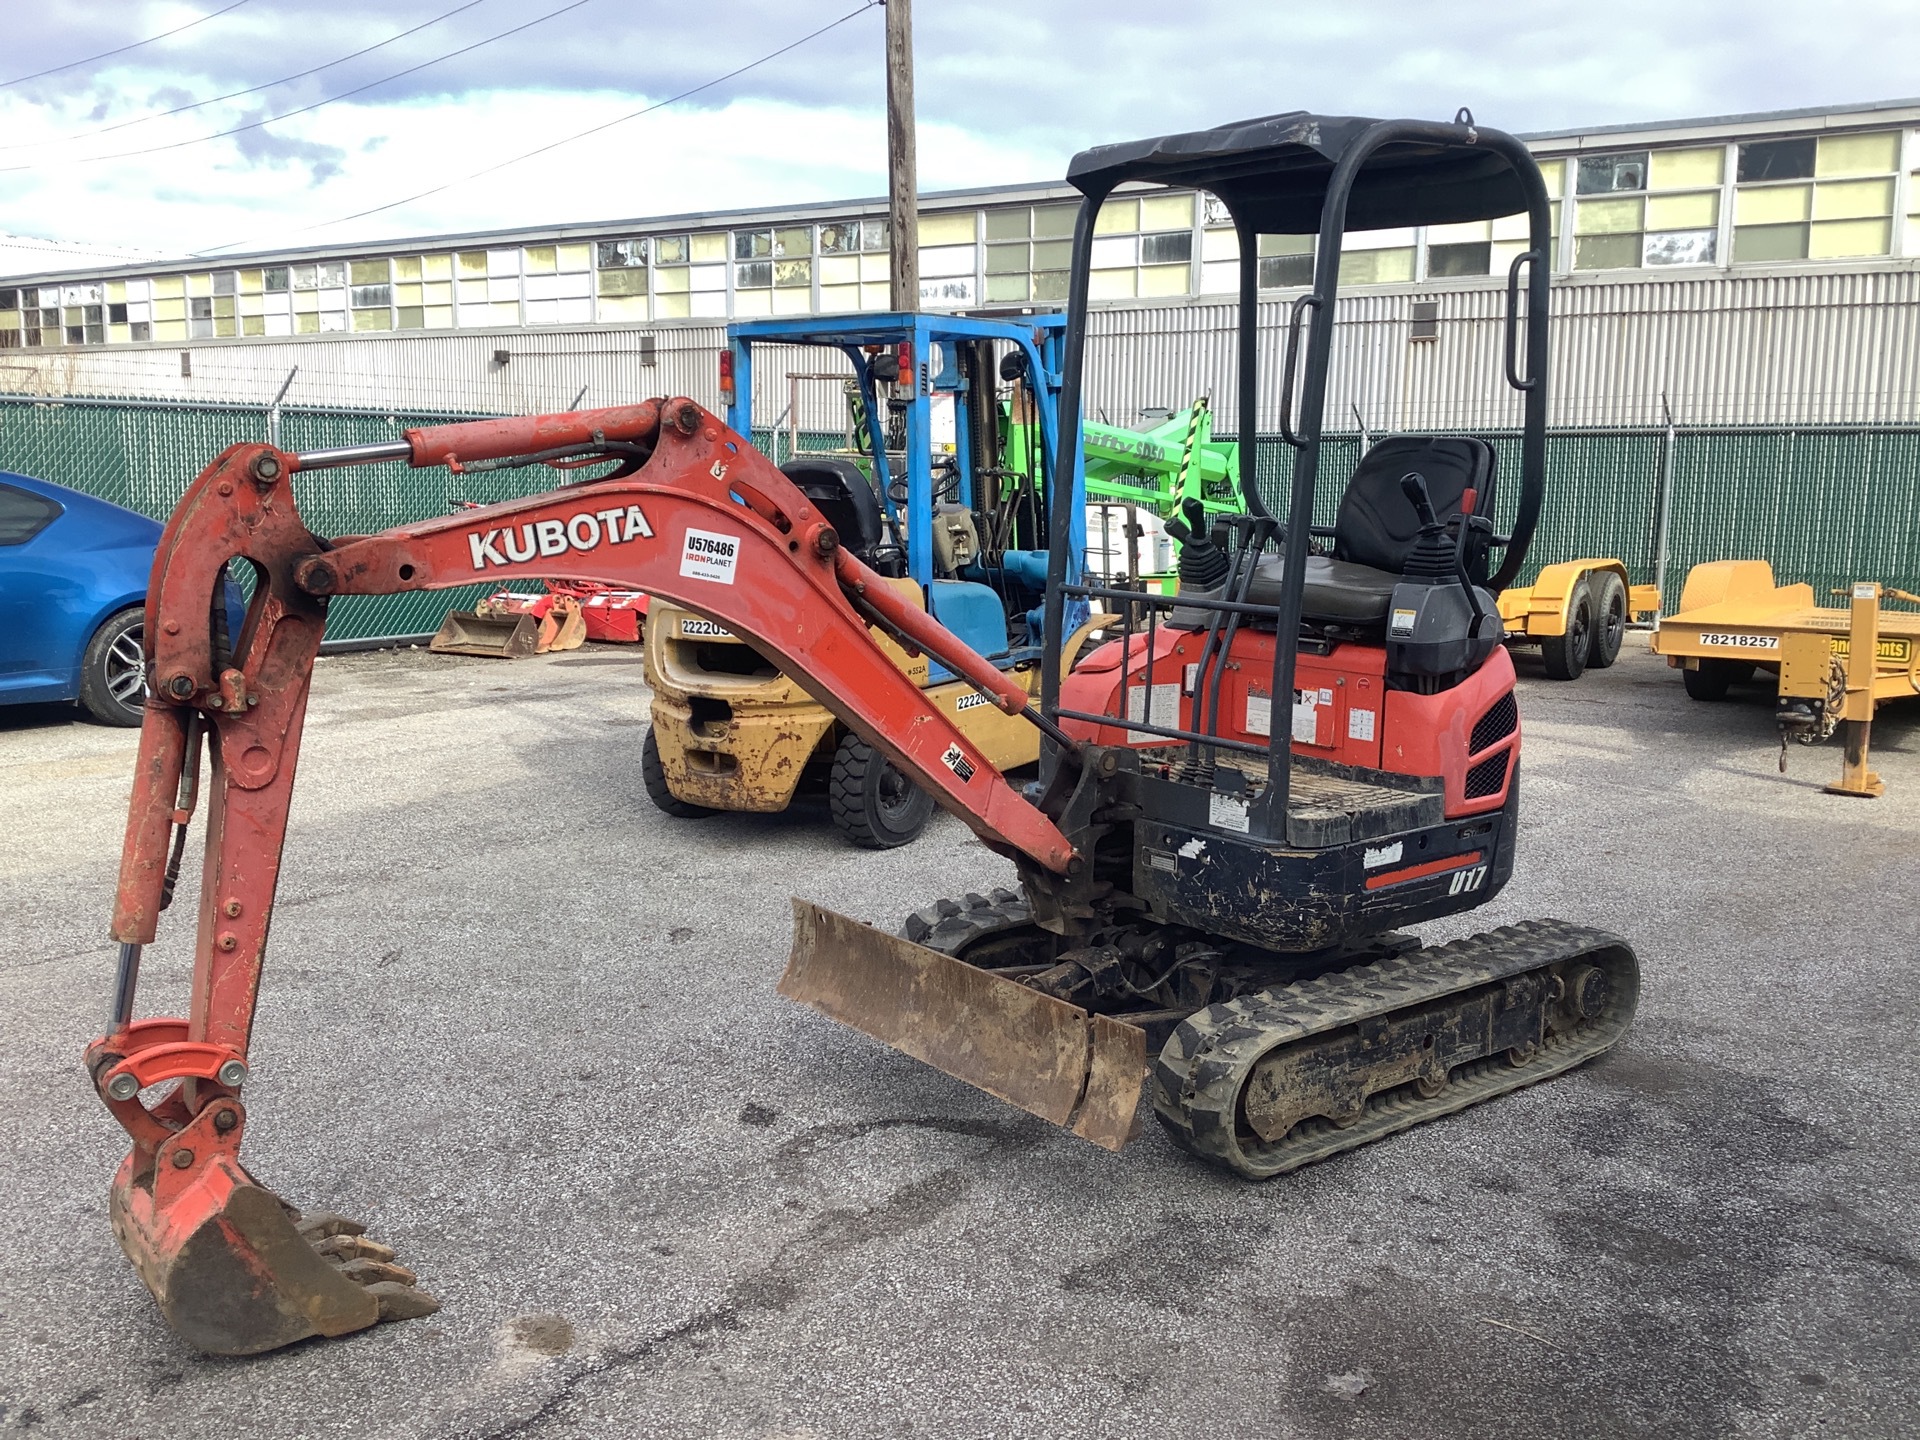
(1540, 609)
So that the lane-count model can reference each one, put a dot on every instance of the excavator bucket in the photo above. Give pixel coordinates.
(509, 625)
(1081, 1071)
(567, 625)
(466, 632)
(237, 1271)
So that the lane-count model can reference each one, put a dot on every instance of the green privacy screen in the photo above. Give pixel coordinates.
(1825, 505)
(143, 456)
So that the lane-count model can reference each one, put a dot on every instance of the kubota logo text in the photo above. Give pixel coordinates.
(546, 538)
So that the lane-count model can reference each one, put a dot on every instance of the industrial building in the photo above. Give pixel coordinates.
(1753, 269)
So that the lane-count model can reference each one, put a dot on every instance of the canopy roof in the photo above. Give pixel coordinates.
(1273, 172)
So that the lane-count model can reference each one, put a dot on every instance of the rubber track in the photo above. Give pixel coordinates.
(1208, 1060)
(949, 926)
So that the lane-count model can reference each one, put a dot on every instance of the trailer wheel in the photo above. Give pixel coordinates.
(655, 777)
(1715, 677)
(1609, 619)
(1565, 656)
(874, 804)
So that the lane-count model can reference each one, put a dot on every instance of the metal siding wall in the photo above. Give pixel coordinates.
(1778, 349)
(440, 371)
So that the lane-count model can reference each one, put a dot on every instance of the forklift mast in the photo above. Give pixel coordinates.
(911, 358)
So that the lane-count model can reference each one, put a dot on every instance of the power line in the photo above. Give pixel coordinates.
(305, 109)
(251, 90)
(578, 135)
(109, 54)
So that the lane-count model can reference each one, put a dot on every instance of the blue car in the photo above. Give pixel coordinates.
(73, 584)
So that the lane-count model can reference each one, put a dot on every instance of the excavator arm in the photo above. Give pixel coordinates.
(694, 515)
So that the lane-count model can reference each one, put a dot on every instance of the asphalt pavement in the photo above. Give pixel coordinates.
(525, 1026)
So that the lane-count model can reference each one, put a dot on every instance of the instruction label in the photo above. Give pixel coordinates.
(1306, 715)
(1160, 706)
(1229, 812)
(707, 556)
(1360, 724)
(1259, 713)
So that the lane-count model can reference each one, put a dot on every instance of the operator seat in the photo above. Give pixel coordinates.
(843, 495)
(1376, 527)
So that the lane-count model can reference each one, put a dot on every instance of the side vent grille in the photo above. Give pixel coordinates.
(1494, 726)
(1487, 777)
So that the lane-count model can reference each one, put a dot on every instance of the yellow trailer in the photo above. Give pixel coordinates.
(1577, 612)
(1734, 621)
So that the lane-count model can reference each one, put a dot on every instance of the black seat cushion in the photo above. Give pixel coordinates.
(1336, 593)
(842, 494)
(1377, 524)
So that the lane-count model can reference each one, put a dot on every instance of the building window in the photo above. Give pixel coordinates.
(620, 279)
(1609, 174)
(1469, 257)
(773, 271)
(1029, 248)
(1285, 261)
(1823, 198)
(1649, 208)
(853, 266)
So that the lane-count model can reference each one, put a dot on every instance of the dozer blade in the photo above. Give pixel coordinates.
(465, 633)
(237, 1271)
(1081, 1071)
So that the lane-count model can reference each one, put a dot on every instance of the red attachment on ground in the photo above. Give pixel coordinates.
(610, 615)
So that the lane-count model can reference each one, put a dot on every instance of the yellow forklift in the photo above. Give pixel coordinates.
(931, 500)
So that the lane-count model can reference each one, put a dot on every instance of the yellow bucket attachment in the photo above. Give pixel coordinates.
(1081, 1071)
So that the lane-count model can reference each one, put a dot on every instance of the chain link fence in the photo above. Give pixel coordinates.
(1826, 505)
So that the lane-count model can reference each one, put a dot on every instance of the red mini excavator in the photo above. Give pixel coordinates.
(1243, 796)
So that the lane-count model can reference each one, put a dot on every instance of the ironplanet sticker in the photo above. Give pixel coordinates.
(707, 556)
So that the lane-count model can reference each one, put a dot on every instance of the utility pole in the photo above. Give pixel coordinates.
(903, 273)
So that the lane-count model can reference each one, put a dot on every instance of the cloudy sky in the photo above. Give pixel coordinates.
(1007, 92)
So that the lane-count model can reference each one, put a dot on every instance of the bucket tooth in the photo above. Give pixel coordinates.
(1080, 1071)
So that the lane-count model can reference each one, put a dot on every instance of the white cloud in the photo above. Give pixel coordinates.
(1003, 96)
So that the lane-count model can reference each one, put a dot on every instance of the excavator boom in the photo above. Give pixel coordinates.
(694, 515)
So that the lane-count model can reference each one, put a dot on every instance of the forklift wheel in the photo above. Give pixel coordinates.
(1565, 656)
(875, 806)
(1715, 677)
(656, 782)
(1609, 619)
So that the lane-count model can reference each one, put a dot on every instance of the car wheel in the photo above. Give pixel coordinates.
(113, 676)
